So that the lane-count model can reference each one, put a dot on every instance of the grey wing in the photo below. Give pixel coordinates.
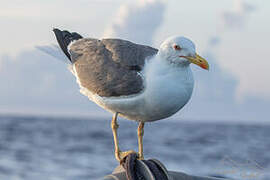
(109, 67)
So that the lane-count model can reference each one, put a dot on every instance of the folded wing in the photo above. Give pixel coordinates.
(110, 67)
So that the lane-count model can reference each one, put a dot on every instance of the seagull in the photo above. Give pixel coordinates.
(134, 81)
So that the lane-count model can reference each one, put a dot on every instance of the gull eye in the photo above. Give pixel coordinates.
(177, 47)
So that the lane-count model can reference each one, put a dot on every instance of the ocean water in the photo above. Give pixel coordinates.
(34, 148)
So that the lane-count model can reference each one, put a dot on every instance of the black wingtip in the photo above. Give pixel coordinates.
(64, 38)
(54, 29)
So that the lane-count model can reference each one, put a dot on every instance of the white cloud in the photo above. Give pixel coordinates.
(138, 21)
(237, 17)
(233, 54)
(242, 51)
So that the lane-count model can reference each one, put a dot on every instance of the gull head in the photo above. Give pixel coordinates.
(181, 51)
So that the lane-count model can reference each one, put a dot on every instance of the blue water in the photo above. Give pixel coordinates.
(34, 148)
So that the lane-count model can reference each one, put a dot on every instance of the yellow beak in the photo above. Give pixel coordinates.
(198, 60)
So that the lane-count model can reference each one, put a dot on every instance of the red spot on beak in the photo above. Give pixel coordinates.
(203, 66)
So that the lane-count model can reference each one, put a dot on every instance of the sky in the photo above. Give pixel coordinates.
(231, 34)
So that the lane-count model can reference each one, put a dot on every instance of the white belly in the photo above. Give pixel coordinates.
(167, 90)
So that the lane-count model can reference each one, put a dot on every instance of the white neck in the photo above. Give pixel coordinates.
(159, 66)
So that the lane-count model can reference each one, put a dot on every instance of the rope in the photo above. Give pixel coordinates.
(133, 172)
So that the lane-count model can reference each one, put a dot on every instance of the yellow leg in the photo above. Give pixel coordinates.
(118, 154)
(115, 138)
(140, 139)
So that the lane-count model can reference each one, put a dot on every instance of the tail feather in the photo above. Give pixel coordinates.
(64, 38)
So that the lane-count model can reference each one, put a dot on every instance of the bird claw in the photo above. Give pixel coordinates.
(121, 155)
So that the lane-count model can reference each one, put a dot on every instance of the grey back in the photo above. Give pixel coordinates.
(105, 67)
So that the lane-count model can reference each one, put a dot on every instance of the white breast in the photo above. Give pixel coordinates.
(169, 88)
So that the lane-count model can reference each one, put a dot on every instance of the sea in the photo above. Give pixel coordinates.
(43, 148)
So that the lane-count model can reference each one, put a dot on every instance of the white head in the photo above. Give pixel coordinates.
(182, 51)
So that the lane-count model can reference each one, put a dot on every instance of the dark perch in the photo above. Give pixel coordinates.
(133, 169)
